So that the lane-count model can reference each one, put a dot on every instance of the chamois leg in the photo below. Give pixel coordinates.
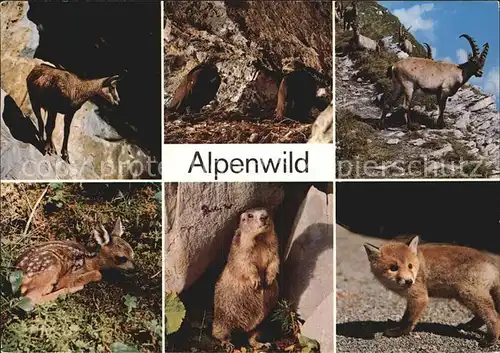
(38, 113)
(49, 128)
(442, 106)
(67, 124)
(282, 104)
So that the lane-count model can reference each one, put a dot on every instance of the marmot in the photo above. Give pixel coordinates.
(197, 88)
(247, 289)
(296, 94)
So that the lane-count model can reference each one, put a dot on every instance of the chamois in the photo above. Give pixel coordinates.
(403, 41)
(429, 51)
(197, 88)
(296, 93)
(362, 42)
(350, 14)
(59, 91)
(433, 77)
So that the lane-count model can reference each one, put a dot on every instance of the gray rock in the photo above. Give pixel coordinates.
(402, 55)
(320, 323)
(485, 125)
(322, 128)
(483, 103)
(308, 267)
(434, 166)
(458, 134)
(441, 152)
(418, 142)
(392, 141)
(463, 121)
(491, 149)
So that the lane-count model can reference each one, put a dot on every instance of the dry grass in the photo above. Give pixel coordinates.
(233, 128)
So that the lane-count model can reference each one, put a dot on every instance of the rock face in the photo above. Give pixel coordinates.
(201, 219)
(96, 150)
(322, 129)
(308, 267)
(240, 33)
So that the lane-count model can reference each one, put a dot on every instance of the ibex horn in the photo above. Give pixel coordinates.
(429, 50)
(485, 51)
(475, 49)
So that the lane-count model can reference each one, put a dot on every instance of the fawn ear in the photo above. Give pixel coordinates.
(118, 229)
(413, 244)
(372, 251)
(111, 81)
(101, 236)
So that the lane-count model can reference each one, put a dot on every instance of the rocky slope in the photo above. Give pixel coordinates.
(98, 148)
(239, 33)
(469, 146)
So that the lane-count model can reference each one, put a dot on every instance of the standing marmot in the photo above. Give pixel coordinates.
(247, 289)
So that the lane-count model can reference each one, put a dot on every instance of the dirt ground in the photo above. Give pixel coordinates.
(233, 128)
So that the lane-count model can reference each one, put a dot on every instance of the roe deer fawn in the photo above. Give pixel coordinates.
(60, 267)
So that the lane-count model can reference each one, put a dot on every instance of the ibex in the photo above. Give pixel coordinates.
(350, 14)
(362, 42)
(403, 41)
(433, 77)
(60, 267)
(429, 51)
(197, 88)
(59, 91)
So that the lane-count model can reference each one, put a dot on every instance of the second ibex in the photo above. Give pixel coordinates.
(59, 91)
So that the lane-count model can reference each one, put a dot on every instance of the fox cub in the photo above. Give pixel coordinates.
(442, 271)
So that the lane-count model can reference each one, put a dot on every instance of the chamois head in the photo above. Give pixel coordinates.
(109, 91)
(290, 64)
(113, 250)
(476, 61)
(429, 51)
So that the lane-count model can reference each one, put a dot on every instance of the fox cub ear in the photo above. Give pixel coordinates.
(372, 251)
(413, 244)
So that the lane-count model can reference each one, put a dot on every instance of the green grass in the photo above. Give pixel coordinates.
(352, 135)
(98, 317)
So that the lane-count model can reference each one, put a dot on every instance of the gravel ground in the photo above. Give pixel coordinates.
(364, 308)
